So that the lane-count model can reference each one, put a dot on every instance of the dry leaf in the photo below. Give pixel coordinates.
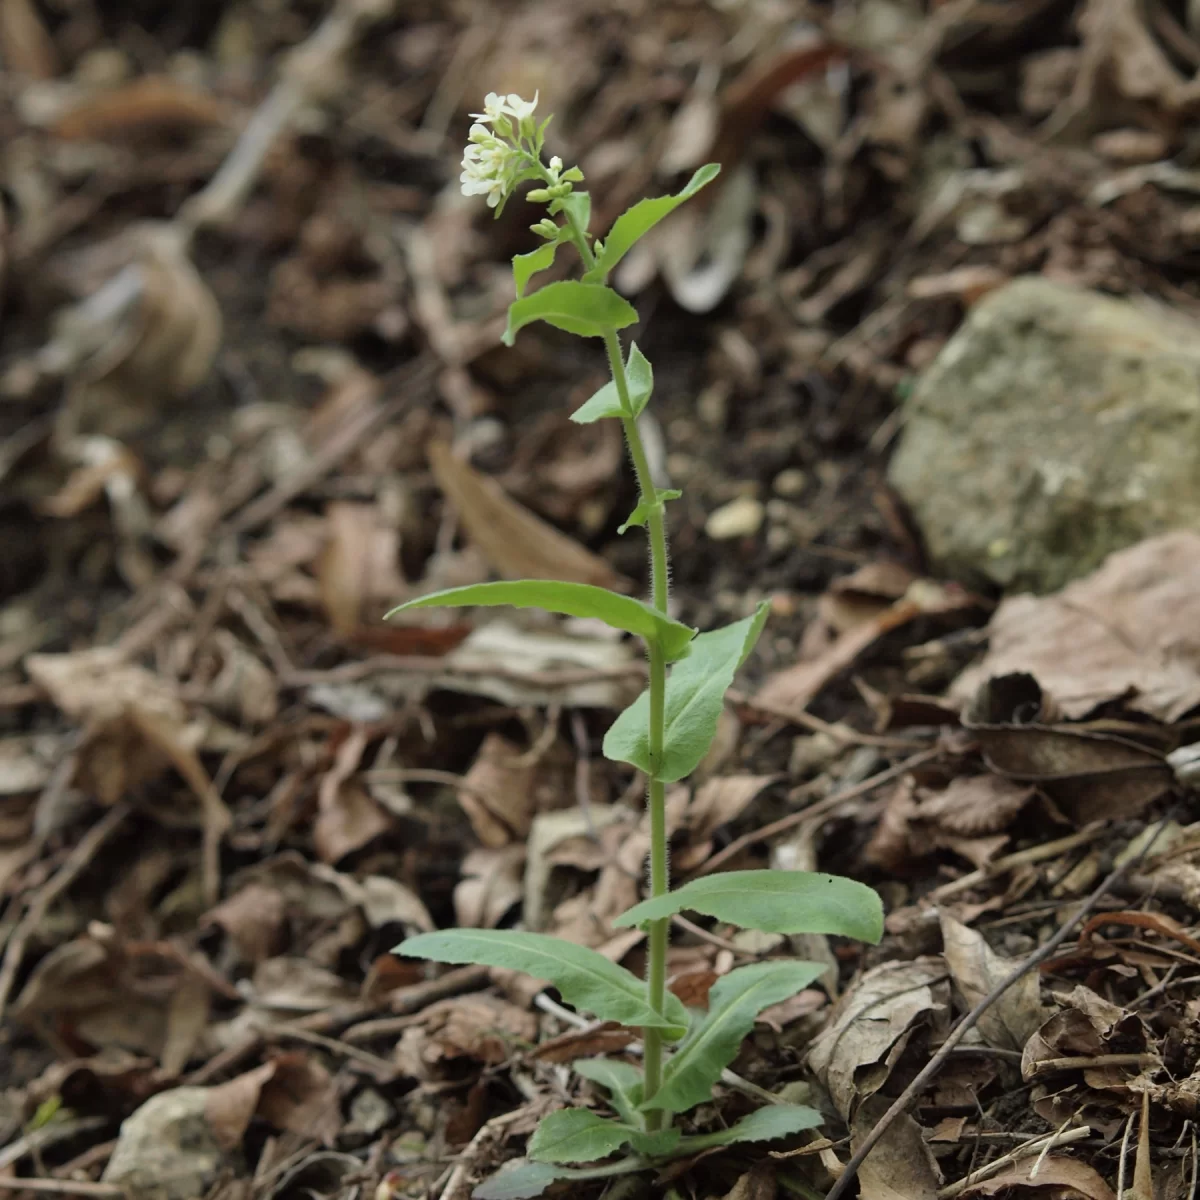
(900, 1167)
(871, 1025)
(517, 544)
(357, 566)
(976, 969)
(795, 686)
(1125, 633)
(1093, 770)
(25, 45)
(347, 817)
(254, 920)
(490, 887)
(1064, 1178)
(153, 105)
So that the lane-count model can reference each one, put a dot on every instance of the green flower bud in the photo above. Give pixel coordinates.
(538, 195)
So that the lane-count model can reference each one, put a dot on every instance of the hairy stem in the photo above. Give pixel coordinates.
(656, 531)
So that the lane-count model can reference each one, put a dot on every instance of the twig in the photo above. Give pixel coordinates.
(968, 1022)
(65, 1187)
(832, 801)
(1036, 1146)
(468, 1158)
(1085, 1062)
(1021, 858)
(77, 861)
(47, 1135)
(1122, 1157)
(806, 720)
(406, 1001)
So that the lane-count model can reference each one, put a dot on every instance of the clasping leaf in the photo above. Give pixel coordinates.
(573, 600)
(585, 977)
(574, 1135)
(637, 221)
(607, 402)
(586, 309)
(713, 1042)
(775, 902)
(695, 695)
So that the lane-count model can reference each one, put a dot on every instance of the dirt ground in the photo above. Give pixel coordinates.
(252, 396)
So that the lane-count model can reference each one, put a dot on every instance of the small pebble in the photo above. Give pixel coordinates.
(790, 482)
(742, 517)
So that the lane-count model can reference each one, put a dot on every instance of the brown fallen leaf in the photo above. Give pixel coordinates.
(492, 884)
(900, 1167)
(292, 1092)
(796, 686)
(357, 566)
(347, 817)
(153, 105)
(1124, 633)
(135, 726)
(976, 969)
(872, 1025)
(516, 543)
(966, 817)
(254, 920)
(27, 48)
(1095, 770)
(1061, 1177)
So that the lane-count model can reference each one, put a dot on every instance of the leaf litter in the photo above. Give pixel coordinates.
(271, 407)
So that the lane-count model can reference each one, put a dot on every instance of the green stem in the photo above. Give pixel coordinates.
(656, 531)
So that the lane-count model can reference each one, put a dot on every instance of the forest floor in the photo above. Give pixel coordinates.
(228, 788)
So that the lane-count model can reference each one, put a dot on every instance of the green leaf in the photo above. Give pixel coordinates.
(655, 1145)
(641, 514)
(765, 1125)
(713, 1043)
(585, 977)
(640, 376)
(574, 1135)
(525, 266)
(600, 404)
(573, 600)
(607, 403)
(775, 902)
(695, 695)
(623, 1082)
(519, 1180)
(586, 309)
(577, 206)
(640, 219)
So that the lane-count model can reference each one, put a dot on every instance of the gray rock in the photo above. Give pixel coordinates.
(1056, 426)
(166, 1149)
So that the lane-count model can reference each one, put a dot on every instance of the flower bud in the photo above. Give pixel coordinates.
(539, 195)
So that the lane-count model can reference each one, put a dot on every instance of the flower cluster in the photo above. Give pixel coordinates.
(495, 156)
(504, 148)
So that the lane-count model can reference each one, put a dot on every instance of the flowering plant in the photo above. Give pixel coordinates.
(664, 733)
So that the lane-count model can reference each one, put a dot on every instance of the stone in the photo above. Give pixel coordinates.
(742, 517)
(1056, 426)
(167, 1149)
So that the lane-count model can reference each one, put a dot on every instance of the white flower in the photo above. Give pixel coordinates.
(556, 164)
(496, 107)
(488, 166)
(520, 109)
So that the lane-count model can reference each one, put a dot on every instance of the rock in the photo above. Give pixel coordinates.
(167, 1149)
(739, 518)
(1056, 426)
